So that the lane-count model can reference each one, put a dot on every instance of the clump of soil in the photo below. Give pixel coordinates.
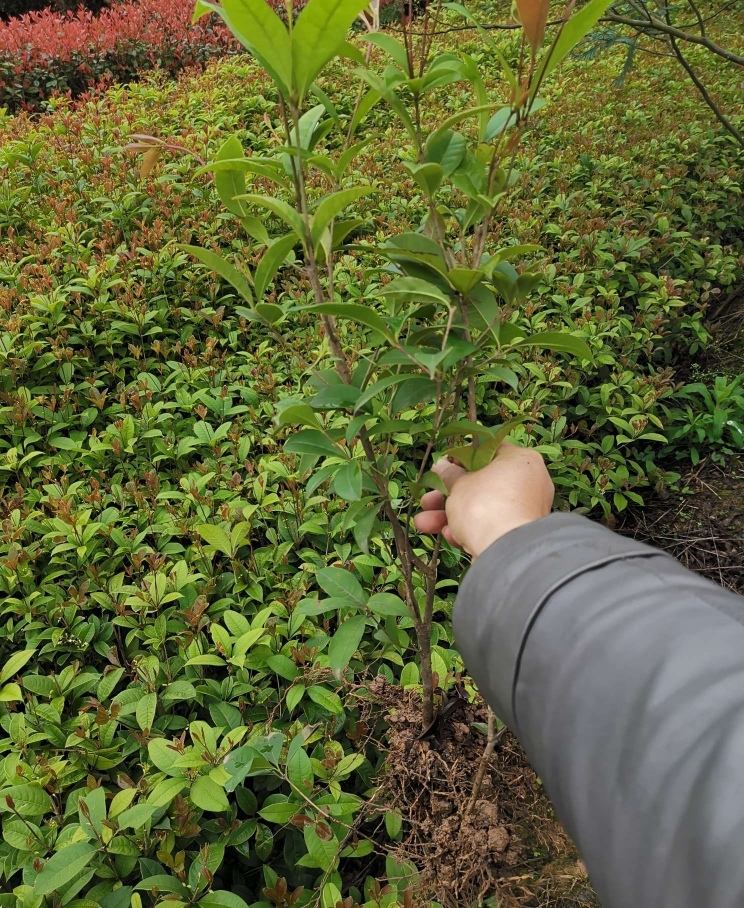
(509, 849)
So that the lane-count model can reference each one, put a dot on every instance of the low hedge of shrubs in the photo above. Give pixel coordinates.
(47, 53)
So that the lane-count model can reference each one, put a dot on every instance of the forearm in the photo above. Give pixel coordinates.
(621, 674)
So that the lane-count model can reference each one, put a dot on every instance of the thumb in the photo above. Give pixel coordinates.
(449, 472)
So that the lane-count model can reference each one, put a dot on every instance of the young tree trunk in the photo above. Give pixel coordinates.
(423, 637)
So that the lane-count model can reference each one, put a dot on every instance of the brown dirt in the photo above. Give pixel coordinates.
(510, 850)
(703, 528)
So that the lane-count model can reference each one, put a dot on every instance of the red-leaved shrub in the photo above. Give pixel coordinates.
(48, 53)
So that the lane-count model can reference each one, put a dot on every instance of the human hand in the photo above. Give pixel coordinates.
(514, 489)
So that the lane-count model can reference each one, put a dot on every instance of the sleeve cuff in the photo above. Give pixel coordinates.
(506, 588)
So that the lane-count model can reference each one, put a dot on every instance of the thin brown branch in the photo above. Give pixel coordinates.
(659, 25)
(491, 741)
(707, 97)
(700, 21)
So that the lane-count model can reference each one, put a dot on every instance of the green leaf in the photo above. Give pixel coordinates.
(28, 800)
(464, 280)
(414, 391)
(239, 535)
(260, 31)
(206, 659)
(22, 835)
(225, 715)
(240, 763)
(15, 663)
(64, 443)
(279, 813)
(560, 341)
(389, 605)
(136, 817)
(347, 483)
(410, 676)
(471, 72)
(165, 791)
(216, 537)
(393, 823)
(256, 229)
(311, 126)
(283, 666)
(293, 412)
(279, 207)
(63, 867)
(507, 253)
(502, 120)
(336, 396)
(446, 127)
(314, 442)
(464, 427)
(326, 698)
(446, 148)
(576, 29)
(247, 640)
(271, 262)
(392, 47)
(222, 267)
(428, 176)
(10, 693)
(264, 842)
(345, 642)
(95, 802)
(380, 386)
(382, 90)
(145, 712)
(299, 767)
(367, 102)
(269, 313)
(360, 850)
(323, 850)
(268, 168)
(341, 584)
(362, 314)
(294, 695)
(230, 183)
(164, 755)
(221, 898)
(329, 106)
(343, 227)
(317, 37)
(163, 882)
(333, 205)
(207, 795)
(475, 457)
(415, 289)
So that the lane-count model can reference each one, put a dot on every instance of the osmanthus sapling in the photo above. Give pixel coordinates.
(404, 383)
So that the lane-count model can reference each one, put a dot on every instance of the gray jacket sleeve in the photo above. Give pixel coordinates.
(622, 674)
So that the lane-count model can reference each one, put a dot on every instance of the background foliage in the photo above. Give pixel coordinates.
(164, 573)
(51, 53)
